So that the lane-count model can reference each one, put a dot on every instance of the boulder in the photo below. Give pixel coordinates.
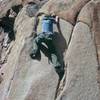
(66, 9)
(81, 80)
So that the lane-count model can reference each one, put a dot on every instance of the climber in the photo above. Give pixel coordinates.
(46, 36)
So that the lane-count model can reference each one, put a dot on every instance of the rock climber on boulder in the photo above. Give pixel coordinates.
(46, 36)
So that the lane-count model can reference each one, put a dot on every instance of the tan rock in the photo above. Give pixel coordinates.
(81, 80)
(66, 9)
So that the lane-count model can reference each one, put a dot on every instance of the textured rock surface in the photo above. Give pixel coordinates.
(25, 79)
(81, 81)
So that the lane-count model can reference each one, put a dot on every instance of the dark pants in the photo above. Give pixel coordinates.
(47, 39)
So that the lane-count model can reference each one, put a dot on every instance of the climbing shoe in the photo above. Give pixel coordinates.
(33, 56)
(60, 72)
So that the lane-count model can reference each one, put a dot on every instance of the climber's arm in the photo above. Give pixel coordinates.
(36, 21)
(34, 31)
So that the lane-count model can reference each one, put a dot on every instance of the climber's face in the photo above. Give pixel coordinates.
(12, 14)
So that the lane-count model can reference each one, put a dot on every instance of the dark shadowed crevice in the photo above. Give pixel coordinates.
(56, 94)
(7, 33)
(7, 23)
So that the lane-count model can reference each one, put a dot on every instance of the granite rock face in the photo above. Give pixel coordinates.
(77, 43)
(81, 83)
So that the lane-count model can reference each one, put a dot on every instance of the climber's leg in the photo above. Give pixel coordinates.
(36, 42)
(54, 59)
(53, 54)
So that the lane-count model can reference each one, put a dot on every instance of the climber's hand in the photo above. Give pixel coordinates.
(57, 19)
(33, 34)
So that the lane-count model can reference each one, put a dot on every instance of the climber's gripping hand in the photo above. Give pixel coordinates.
(33, 34)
